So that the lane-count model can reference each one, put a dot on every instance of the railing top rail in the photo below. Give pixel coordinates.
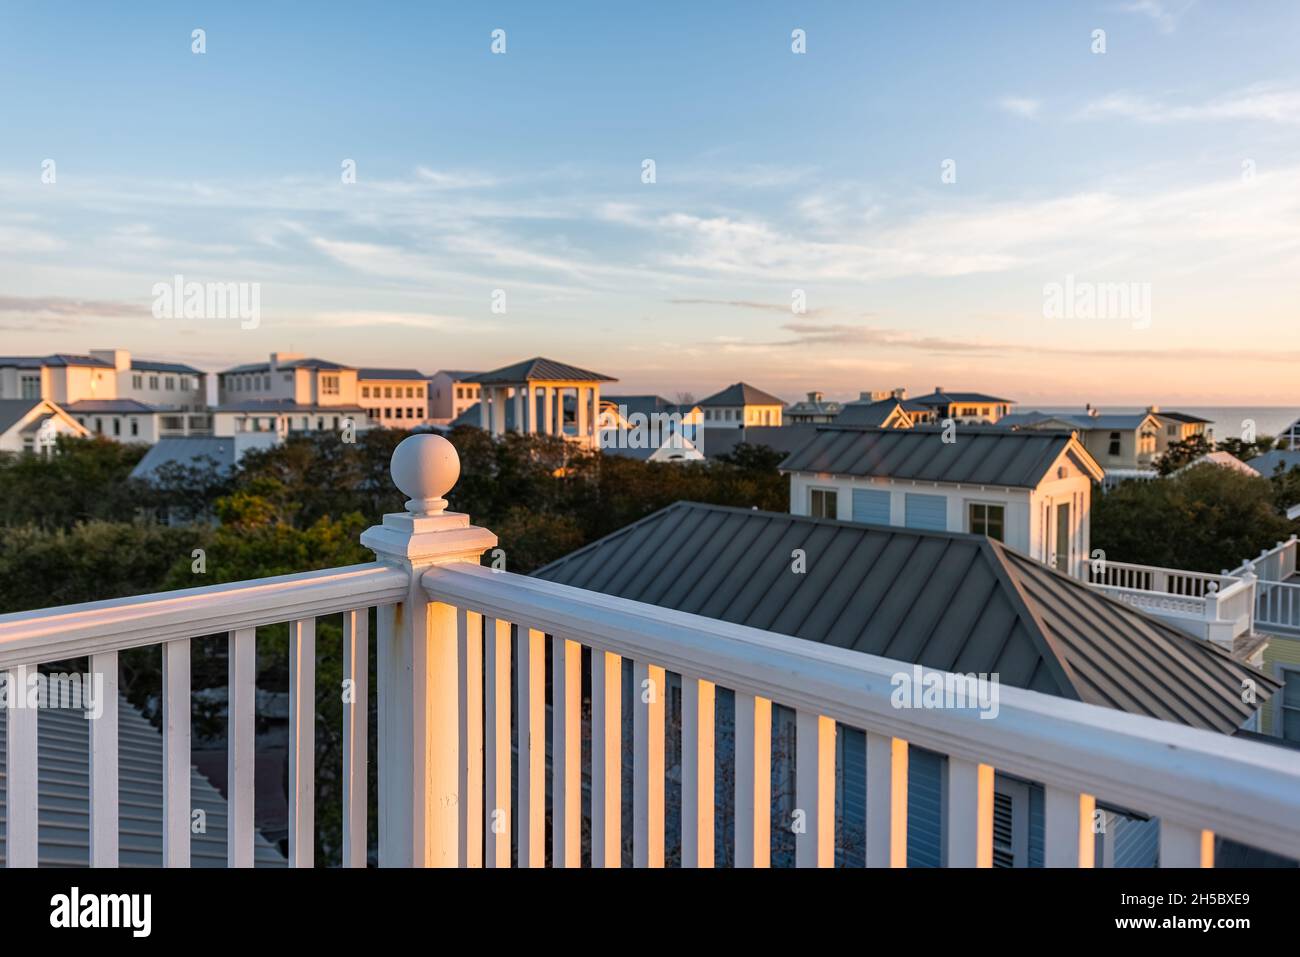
(1242, 789)
(1209, 576)
(70, 631)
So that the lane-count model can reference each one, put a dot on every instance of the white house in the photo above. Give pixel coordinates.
(111, 394)
(451, 392)
(1031, 490)
(289, 393)
(31, 425)
(394, 398)
(739, 406)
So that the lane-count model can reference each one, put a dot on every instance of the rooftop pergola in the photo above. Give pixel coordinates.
(538, 389)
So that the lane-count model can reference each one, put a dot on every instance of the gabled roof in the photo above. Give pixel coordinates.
(13, 411)
(391, 374)
(187, 452)
(59, 359)
(940, 398)
(148, 365)
(741, 393)
(940, 599)
(540, 370)
(1083, 421)
(1182, 417)
(815, 407)
(979, 456)
(874, 414)
(1267, 463)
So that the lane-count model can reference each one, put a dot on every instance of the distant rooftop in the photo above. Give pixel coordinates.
(57, 360)
(740, 394)
(539, 370)
(178, 368)
(391, 374)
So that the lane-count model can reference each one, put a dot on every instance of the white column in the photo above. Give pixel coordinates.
(484, 421)
(530, 409)
(548, 415)
(418, 663)
(519, 409)
(581, 416)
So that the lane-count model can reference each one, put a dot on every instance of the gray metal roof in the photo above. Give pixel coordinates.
(979, 456)
(539, 369)
(114, 406)
(12, 411)
(1083, 421)
(63, 781)
(286, 365)
(778, 438)
(1267, 463)
(148, 365)
(187, 452)
(457, 375)
(413, 374)
(868, 413)
(741, 393)
(940, 599)
(59, 359)
(941, 398)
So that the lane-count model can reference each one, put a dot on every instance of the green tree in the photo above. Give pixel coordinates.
(1183, 453)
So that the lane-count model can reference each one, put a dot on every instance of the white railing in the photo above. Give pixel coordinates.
(447, 630)
(1277, 600)
(170, 620)
(1216, 607)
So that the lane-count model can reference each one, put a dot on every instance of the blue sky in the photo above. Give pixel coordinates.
(775, 173)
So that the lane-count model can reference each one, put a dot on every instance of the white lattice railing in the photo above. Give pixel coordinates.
(1216, 607)
(449, 699)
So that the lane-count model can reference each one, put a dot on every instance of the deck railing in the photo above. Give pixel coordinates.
(1216, 607)
(447, 631)
(1277, 600)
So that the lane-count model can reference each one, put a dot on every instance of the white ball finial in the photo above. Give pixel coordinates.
(425, 467)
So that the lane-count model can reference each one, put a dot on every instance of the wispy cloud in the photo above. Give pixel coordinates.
(1020, 106)
(1163, 13)
(1262, 102)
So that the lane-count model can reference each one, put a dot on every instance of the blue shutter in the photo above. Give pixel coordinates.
(926, 511)
(871, 506)
(924, 807)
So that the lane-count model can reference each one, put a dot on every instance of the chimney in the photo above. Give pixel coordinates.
(814, 397)
(1153, 409)
(120, 358)
(938, 390)
(900, 393)
(278, 357)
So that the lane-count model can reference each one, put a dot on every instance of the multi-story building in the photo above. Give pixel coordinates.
(964, 408)
(394, 398)
(451, 392)
(111, 394)
(813, 410)
(1177, 427)
(288, 393)
(741, 405)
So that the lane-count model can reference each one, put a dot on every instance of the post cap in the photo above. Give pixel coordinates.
(425, 467)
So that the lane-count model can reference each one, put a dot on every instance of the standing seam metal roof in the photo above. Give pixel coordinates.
(980, 455)
(944, 600)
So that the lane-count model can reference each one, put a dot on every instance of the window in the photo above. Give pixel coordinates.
(137, 382)
(135, 426)
(460, 392)
(388, 392)
(329, 384)
(31, 387)
(410, 392)
(419, 392)
(365, 392)
(1062, 558)
(1114, 444)
(117, 426)
(169, 383)
(266, 383)
(99, 426)
(988, 520)
(1172, 431)
(823, 502)
(153, 382)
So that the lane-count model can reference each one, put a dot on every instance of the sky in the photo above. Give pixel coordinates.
(927, 196)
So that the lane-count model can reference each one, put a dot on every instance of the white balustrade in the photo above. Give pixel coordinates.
(447, 629)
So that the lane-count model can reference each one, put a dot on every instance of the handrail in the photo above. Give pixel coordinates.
(70, 631)
(1244, 790)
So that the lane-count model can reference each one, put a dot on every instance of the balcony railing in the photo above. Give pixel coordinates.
(449, 698)
(1215, 607)
(1277, 593)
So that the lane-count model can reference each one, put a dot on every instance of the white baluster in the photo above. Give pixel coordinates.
(1185, 846)
(241, 708)
(356, 712)
(697, 772)
(104, 766)
(21, 796)
(176, 752)
(496, 741)
(566, 753)
(886, 801)
(606, 759)
(753, 780)
(532, 747)
(648, 689)
(469, 632)
(970, 814)
(302, 743)
(815, 790)
(1068, 828)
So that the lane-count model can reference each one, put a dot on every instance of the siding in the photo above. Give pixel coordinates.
(1280, 651)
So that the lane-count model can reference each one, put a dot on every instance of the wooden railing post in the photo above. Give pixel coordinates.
(417, 669)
